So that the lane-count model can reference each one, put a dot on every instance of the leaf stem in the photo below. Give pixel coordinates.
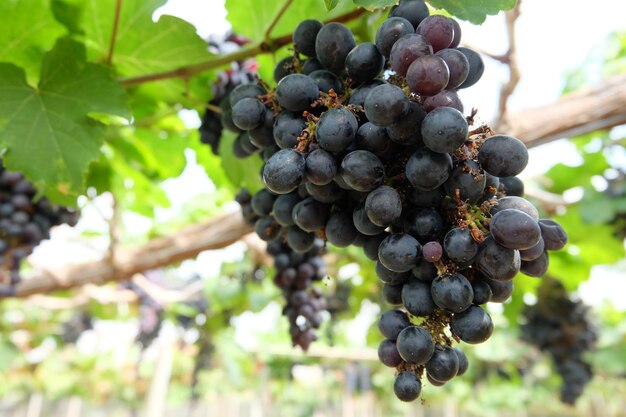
(116, 23)
(267, 46)
(276, 19)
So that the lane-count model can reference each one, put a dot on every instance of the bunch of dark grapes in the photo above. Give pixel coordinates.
(561, 327)
(297, 261)
(24, 222)
(366, 144)
(243, 72)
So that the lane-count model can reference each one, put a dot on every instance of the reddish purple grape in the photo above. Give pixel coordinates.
(438, 31)
(428, 75)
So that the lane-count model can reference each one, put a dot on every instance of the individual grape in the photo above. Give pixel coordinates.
(248, 113)
(433, 381)
(262, 136)
(444, 98)
(364, 63)
(288, 127)
(390, 277)
(467, 181)
(284, 171)
(457, 64)
(503, 156)
(444, 364)
(512, 186)
(406, 50)
(477, 67)
(299, 240)
(413, 10)
(424, 271)
(296, 92)
(497, 262)
(310, 65)
(460, 246)
(444, 129)
(310, 215)
(537, 267)
(438, 31)
(363, 224)
(304, 36)
(372, 138)
(385, 104)
(452, 292)
(514, 229)
(359, 94)
(244, 91)
(406, 131)
(399, 252)
(383, 205)
(392, 322)
(388, 353)
(267, 228)
(432, 251)
(320, 167)
(463, 363)
(427, 75)
(340, 230)
(482, 292)
(533, 253)
(407, 386)
(424, 224)
(336, 129)
(370, 248)
(362, 170)
(553, 234)
(417, 299)
(500, 290)
(262, 202)
(473, 325)
(329, 193)
(457, 34)
(514, 202)
(427, 170)
(283, 68)
(389, 32)
(242, 147)
(283, 207)
(326, 81)
(392, 294)
(415, 345)
(333, 43)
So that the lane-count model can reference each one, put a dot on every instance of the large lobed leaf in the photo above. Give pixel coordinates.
(475, 11)
(47, 130)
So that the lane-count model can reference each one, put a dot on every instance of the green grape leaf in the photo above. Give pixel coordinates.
(375, 4)
(142, 46)
(331, 4)
(29, 29)
(46, 129)
(242, 173)
(475, 11)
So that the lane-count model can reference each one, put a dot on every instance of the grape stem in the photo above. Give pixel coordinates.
(263, 47)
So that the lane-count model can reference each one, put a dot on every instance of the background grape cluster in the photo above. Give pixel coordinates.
(562, 328)
(25, 220)
(367, 145)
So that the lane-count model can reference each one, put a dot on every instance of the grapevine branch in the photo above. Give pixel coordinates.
(276, 19)
(266, 46)
(116, 23)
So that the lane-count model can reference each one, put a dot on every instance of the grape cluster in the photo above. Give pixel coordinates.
(367, 145)
(561, 327)
(298, 264)
(24, 222)
(239, 73)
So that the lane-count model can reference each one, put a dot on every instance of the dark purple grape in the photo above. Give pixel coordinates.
(248, 113)
(392, 322)
(362, 170)
(388, 354)
(329, 193)
(288, 127)
(284, 171)
(415, 345)
(427, 170)
(386, 104)
(438, 30)
(444, 364)
(336, 129)
(399, 252)
(407, 130)
(444, 98)
(326, 81)
(296, 92)
(406, 50)
(460, 246)
(537, 267)
(417, 299)
(457, 64)
(412, 10)
(477, 67)
(320, 167)
(283, 207)
(514, 229)
(304, 36)
(473, 325)
(503, 156)
(340, 230)
(497, 262)
(452, 292)
(444, 129)
(390, 277)
(372, 138)
(467, 181)
(333, 43)
(463, 363)
(553, 234)
(514, 202)
(407, 386)
(390, 31)
(383, 205)
(364, 63)
(512, 186)
(299, 240)
(310, 215)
